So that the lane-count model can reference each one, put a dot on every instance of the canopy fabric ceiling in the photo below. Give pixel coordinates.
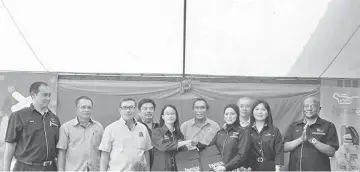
(240, 38)
(337, 39)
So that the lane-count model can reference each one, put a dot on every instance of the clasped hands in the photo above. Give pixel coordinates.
(190, 144)
(304, 136)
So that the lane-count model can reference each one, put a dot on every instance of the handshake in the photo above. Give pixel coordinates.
(190, 144)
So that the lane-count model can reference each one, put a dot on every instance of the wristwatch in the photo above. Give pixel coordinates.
(313, 141)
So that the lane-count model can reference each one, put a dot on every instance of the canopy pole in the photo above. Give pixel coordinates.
(184, 39)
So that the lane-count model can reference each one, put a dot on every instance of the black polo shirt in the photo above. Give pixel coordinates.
(154, 125)
(306, 157)
(36, 135)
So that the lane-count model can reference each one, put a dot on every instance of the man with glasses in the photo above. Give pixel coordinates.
(311, 141)
(126, 143)
(79, 140)
(201, 128)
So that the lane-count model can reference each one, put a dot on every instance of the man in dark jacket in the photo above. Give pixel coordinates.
(147, 111)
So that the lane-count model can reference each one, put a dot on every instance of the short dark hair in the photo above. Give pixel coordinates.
(83, 98)
(143, 101)
(201, 99)
(34, 88)
(125, 100)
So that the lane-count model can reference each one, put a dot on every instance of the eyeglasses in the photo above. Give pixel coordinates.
(170, 114)
(128, 108)
(313, 106)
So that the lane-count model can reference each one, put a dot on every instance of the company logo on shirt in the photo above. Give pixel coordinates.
(267, 134)
(319, 130)
(235, 134)
(53, 123)
(141, 134)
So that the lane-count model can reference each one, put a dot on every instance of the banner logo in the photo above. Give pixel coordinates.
(343, 99)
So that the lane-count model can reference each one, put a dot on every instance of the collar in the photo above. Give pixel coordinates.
(76, 121)
(124, 122)
(245, 123)
(206, 122)
(154, 124)
(262, 130)
(232, 127)
(318, 120)
(254, 126)
(166, 130)
(32, 108)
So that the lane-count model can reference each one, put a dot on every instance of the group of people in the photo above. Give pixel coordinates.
(248, 139)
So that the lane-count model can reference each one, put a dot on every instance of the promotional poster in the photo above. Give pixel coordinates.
(341, 106)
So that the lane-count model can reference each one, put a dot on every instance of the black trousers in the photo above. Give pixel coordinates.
(263, 166)
(19, 166)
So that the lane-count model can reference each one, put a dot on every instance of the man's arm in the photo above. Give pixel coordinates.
(61, 160)
(289, 142)
(331, 144)
(290, 146)
(104, 160)
(8, 155)
(324, 148)
(147, 157)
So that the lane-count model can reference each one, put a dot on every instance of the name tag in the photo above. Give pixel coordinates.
(268, 134)
(318, 133)
(233, 136)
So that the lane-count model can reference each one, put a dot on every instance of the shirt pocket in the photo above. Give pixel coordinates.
(75, 139)
(96, 140)
(319, 134)
(268, 138)
(33, 128)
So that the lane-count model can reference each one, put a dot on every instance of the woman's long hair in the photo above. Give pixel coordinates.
(176, 123)
(237, 111)
(268, 120)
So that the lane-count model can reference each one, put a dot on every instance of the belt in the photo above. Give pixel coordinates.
(44, 164)
(260, 159)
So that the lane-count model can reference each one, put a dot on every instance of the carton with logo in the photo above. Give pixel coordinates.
(188, 160)
(210, 158)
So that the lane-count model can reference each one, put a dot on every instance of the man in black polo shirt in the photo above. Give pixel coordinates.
(311, 141)
(33, 133)
(147, 110)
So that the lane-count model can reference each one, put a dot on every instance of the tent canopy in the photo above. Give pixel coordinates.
(242, 38)
(333, 50)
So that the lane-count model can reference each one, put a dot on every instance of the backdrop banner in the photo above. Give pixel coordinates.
(341, 105)
(285, 99)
